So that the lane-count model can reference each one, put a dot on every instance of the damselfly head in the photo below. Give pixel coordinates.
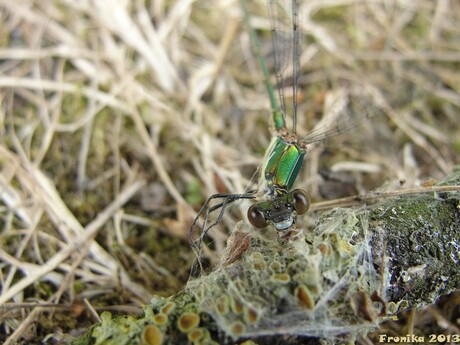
(281, 212)
(301, 201)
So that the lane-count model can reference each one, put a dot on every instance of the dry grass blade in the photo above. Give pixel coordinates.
(75, 235)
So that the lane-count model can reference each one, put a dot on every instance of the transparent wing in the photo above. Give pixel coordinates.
(344, 110)
(284, 21)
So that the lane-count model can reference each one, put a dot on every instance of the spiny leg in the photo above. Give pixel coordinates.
(206, 210)
(223, 205)
(196, 244)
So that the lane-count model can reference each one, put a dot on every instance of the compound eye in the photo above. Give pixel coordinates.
(256, 216)
(301, 201)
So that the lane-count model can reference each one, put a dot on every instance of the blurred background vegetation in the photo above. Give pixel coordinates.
(118, 119)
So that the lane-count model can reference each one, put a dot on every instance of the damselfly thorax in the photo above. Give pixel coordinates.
(281, 165)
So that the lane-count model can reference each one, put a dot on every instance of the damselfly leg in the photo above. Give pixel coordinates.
(198, 231)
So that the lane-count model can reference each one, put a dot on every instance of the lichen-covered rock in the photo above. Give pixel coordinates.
(336, 281)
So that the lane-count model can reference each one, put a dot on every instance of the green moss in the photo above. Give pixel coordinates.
(276, 266)
(152, 335)
(222, 305)
(237, 329)
(160, 319)
(281, 278)
(188, 321)
(304, 297)
(168, 308)
(193, 193)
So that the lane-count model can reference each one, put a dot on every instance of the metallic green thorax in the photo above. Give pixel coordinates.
(282, 164)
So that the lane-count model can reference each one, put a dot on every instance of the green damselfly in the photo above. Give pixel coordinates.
(276, 203)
